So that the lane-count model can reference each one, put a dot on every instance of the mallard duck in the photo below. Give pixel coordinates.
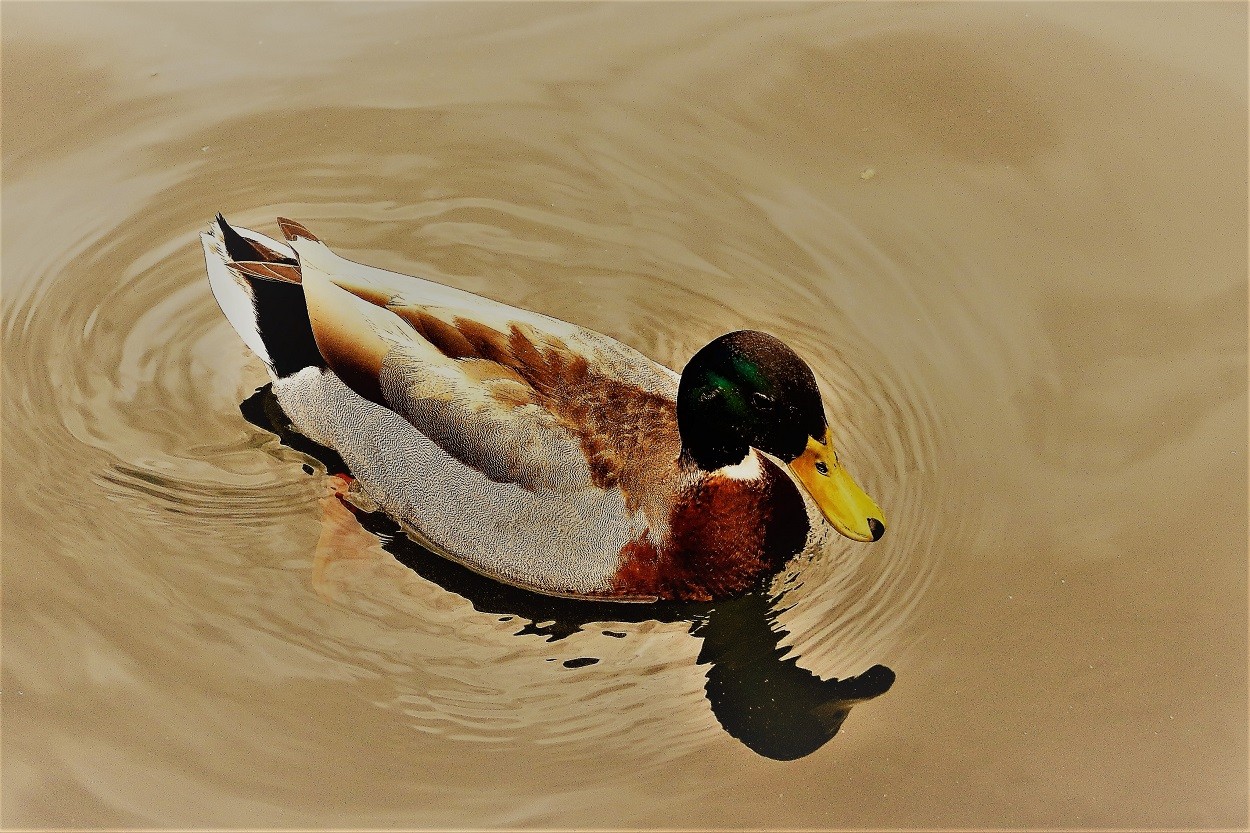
(534, 451)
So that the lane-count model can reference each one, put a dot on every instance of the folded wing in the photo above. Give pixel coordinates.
(521, 397)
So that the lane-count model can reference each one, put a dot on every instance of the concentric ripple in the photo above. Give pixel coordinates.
(146, 380)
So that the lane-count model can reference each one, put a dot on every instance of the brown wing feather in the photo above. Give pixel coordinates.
(628, 435)
(292, 230)
(273, 271)
(443, 336)
(353, 335)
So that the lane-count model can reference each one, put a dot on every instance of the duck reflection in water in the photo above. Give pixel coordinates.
(767, 702)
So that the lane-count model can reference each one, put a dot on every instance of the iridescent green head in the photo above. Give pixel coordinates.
(746, 390)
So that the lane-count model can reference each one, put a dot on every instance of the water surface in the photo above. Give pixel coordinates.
(1010, 239)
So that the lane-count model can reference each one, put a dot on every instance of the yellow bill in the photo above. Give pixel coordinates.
(847, 507)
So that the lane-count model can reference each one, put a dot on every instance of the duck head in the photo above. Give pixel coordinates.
(747, 390)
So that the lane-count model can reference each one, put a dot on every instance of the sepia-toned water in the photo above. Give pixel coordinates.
(1010, 239)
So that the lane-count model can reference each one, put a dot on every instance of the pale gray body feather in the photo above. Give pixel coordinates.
(547, 540)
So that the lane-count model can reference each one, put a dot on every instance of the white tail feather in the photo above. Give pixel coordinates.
(233, 296)
(233, 293)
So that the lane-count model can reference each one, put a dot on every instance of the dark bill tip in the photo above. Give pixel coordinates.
(876, 528)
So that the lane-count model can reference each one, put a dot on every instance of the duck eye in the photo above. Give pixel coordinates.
(821, 467)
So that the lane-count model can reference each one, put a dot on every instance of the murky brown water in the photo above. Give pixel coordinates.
(1011, 238)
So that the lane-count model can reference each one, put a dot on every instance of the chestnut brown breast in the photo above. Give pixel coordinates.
(725, 536)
